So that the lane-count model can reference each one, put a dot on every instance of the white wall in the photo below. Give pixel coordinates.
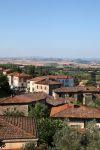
(32, 86)
(76, 123)
(41, 88)
(10, 80)
(18, 82)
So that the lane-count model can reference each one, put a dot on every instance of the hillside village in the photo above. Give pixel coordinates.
(57, 95)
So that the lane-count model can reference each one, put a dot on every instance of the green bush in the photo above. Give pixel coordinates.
(29, 146)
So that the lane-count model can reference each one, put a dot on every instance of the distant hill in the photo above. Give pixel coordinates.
(82, 61)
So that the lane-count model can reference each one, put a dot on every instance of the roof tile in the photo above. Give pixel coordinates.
(17, 128)
(76, 112)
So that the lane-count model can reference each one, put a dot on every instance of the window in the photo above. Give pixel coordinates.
(24, 80)
(8, 109)
(41, 87)
(66, 80)
(45, 88)
(75, 126)
(37, 86)
(63, 95)
(14, 108)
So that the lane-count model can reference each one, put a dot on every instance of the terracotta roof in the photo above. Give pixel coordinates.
(7, 70)
(56, 102)
(56, 110)
(76, 112)
(49, 82)
(17, 128)
(23, 99)
(1, 69)
(41, 78)
(60, 76)
(12, 74)
(77, 89)
(20, 75)
(59, 101)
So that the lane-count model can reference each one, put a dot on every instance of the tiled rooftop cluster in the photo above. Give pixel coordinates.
(17, 128)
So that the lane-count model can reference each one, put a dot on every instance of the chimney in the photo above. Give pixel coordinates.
(66, 101)
(12, 95)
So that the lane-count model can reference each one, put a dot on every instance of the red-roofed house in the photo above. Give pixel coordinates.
(18, 80)
(46, 86)
(34, 80)
(21, 103)
(7, 71)
(77, 115)
(66, 80)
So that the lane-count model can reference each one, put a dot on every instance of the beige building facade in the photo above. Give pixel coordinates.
(78, 116)
(17, 144)
(18, 80)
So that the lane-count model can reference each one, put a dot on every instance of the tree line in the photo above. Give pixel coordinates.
(34, 71)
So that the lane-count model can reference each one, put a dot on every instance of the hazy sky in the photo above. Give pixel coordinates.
(50, 28)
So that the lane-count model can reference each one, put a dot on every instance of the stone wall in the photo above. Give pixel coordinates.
(20, 108)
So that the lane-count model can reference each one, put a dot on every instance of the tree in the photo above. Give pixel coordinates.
(43, 147)
(66, 139)
(69, 138)
(2, 144)
(29, 70)
(29, 146)
(39, 111)
(13, 67)
(94, 103)
(4, 86)
(47, 128)
(92, 80)
(93, 136)
(76, 82)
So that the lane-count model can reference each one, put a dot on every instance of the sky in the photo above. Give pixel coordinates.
(50, 28)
